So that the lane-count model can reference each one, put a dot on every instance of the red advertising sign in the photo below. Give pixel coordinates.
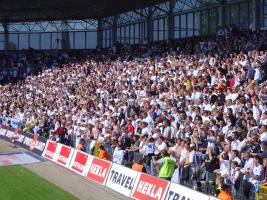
(79, 162)
(99, 170)
(150, 188)
(50, 150)
(64, 155)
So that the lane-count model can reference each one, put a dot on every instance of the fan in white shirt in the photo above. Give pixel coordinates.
(160, 145)
(263, 133)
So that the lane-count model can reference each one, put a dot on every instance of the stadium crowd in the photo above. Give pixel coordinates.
(181, 111)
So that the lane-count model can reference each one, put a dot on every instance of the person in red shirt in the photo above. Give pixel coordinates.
(130, 127)
(62, 132)
(232, 82)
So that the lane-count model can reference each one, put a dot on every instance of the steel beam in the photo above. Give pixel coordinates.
(65, 42)
(171, 20)
(6, 37)
(149, 24)
(100, 35)
(255, 14)
(114, 30)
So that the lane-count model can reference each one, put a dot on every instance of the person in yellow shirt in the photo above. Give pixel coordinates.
(225, 193)
(187, 84)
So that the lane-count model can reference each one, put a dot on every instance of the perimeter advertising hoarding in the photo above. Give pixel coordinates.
(121, 179)
(149, 188)
(80, 162)
(98, 170)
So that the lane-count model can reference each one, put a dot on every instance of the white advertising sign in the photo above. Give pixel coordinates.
(80, 162)
(63, 155)
(121, 179)
(179, 192)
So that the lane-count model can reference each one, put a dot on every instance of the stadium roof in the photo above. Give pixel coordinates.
(45, 10)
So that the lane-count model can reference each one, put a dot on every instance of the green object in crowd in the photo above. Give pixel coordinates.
(167, 169)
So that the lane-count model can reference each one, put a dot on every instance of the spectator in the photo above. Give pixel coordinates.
(264, 182)
(138, 166)
(255, 175)
(264, 150)
(62, 132)
(201, 99)
(235, 177)
(81, 145)
(168, 164)
(103, 153)
(225, 193)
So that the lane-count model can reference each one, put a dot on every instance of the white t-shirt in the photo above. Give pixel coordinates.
(237, 160)
(183, 154)
(257, 171)
(160, 147)
(235, 145)
(263, 137)
(146, 131)
(248, 165)
(211, 141)
(257, 74)
(225, 168)
(263, 121)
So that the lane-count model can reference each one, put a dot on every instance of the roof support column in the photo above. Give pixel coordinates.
(170, 20)
(221, 15)
(65, 42)
(149, 23)
(99, 34)
(114, 30)
(6, 37)
(255, 14)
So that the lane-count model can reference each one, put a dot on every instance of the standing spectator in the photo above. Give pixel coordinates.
(103, 153)
(81, 145)
(139, 166)
(168, 164)
(264, 182)
(255, 175)
(62, 132)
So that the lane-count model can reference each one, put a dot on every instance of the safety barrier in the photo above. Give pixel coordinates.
(27, 141)
(121, 179)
